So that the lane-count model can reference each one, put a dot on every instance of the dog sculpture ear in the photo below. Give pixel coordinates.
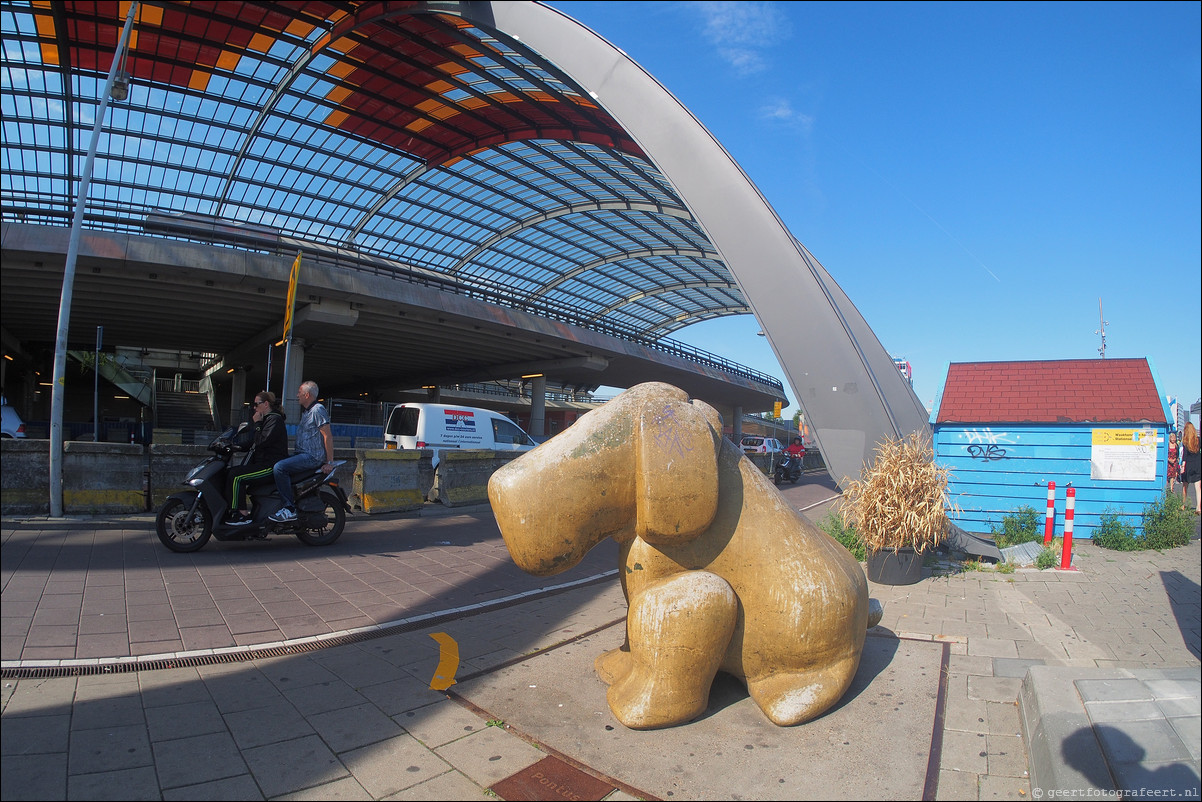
(676, 468)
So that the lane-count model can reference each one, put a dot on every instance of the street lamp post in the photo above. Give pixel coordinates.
(58, 383)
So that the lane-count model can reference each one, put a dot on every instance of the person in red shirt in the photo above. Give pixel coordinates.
(797, 448)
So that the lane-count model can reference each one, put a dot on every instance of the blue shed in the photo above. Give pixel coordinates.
(1005, 429)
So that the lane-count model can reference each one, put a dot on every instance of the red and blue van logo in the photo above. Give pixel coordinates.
(460, 420)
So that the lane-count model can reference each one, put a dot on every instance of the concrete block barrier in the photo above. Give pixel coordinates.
(103, 478)
(390, 480)
(169, 464)
(462, 475)
(25, 476)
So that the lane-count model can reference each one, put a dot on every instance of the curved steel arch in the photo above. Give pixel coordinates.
(576, 208)
(665, 288)
(848, 386)
(642, 253)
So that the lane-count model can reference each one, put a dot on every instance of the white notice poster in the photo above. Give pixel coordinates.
(1123, 455)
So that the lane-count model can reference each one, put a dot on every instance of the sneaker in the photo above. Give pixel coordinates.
(283, 515)
(238, 519)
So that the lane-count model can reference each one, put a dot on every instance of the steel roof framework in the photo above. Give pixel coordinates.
(385, 128)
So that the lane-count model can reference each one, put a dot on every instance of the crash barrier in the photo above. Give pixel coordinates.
(395, 480)
(461, 478)
(119, 478)
(104, 478)
(98, 478)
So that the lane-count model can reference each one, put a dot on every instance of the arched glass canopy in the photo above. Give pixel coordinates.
(386, 129)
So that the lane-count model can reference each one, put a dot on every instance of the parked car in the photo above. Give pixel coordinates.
(754, 444)
(12, 423)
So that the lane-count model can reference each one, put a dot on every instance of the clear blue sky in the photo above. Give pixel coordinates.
(976, 176)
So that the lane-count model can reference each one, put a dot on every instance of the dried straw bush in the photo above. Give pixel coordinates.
(901, 500)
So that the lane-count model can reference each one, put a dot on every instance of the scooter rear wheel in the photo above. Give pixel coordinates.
(335, 520)
(180, 531)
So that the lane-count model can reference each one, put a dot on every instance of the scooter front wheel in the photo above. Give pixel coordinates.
(180, 529)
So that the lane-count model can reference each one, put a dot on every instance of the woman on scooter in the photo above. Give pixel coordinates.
(269, 447)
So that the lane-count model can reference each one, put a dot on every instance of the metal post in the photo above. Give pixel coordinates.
(1066, 554)
(58, 383)
(96, 387)
(1049, 523)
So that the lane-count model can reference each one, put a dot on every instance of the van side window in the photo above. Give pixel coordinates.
(403, 421)
(507, 433)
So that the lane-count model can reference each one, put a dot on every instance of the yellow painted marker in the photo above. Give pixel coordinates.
(448, 662)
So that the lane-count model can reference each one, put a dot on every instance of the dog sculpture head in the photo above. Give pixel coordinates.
(644, 464)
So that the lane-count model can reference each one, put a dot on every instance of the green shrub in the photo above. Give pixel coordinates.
(1019, 526)
(1116, 534)
(1166, 525)
(1046, 558)
(845, 533)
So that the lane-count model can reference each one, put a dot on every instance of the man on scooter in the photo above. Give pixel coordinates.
(315, 447)
(269, 446)
(797, 448)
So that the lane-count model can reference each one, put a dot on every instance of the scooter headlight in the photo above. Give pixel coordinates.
(191, 477)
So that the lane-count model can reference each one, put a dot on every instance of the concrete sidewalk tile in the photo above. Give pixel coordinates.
(102, 645)
(402, 694)
(992, 648)
(1151, 779)
(239, 689)
(1013, 667)
(1007, 756)
(197, 759)
(1117, 689)
(135, 783)
(1122, 710)
(174, 686)
(450, 785)
(35, 776)
(40, 696)
(955, 786)
(345, 788)
(242, 787)
(331, 695)
(1189, 730)
(964, 751)
(109, 749)
(1002, 718)
(155, 647)
(271, 723)
(96, 622)
(120, 711)
(440, 723)
(289, 766)
(1004, 788)
(289, 672)
(1188, 706)
(489, 755)
(994, 689)
(206, 637)
(356, 667)
(200, 616)
(393, 765)
(34, 735)
(352, 727)
(183, 720)
(49, 637)
(1135, 741)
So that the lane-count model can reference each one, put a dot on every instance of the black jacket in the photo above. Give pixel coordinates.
(270, 440)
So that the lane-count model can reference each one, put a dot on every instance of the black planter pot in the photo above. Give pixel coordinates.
(889, 567)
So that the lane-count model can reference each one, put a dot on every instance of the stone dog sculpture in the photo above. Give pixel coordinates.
(720, 574)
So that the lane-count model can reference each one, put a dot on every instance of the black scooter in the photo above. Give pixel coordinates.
(789, 468)
(190, 518)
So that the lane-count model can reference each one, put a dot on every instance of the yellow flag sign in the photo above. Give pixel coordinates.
(292, 280)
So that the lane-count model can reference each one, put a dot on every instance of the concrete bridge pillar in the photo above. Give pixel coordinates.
(538, 407)
(237, 397)
(294, 374)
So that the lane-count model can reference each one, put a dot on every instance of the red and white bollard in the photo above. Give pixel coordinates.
(1049, 521)
(1066, 554)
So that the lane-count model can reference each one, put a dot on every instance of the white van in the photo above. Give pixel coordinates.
(443, 426)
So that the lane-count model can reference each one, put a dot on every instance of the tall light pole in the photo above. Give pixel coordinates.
(58, 384)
